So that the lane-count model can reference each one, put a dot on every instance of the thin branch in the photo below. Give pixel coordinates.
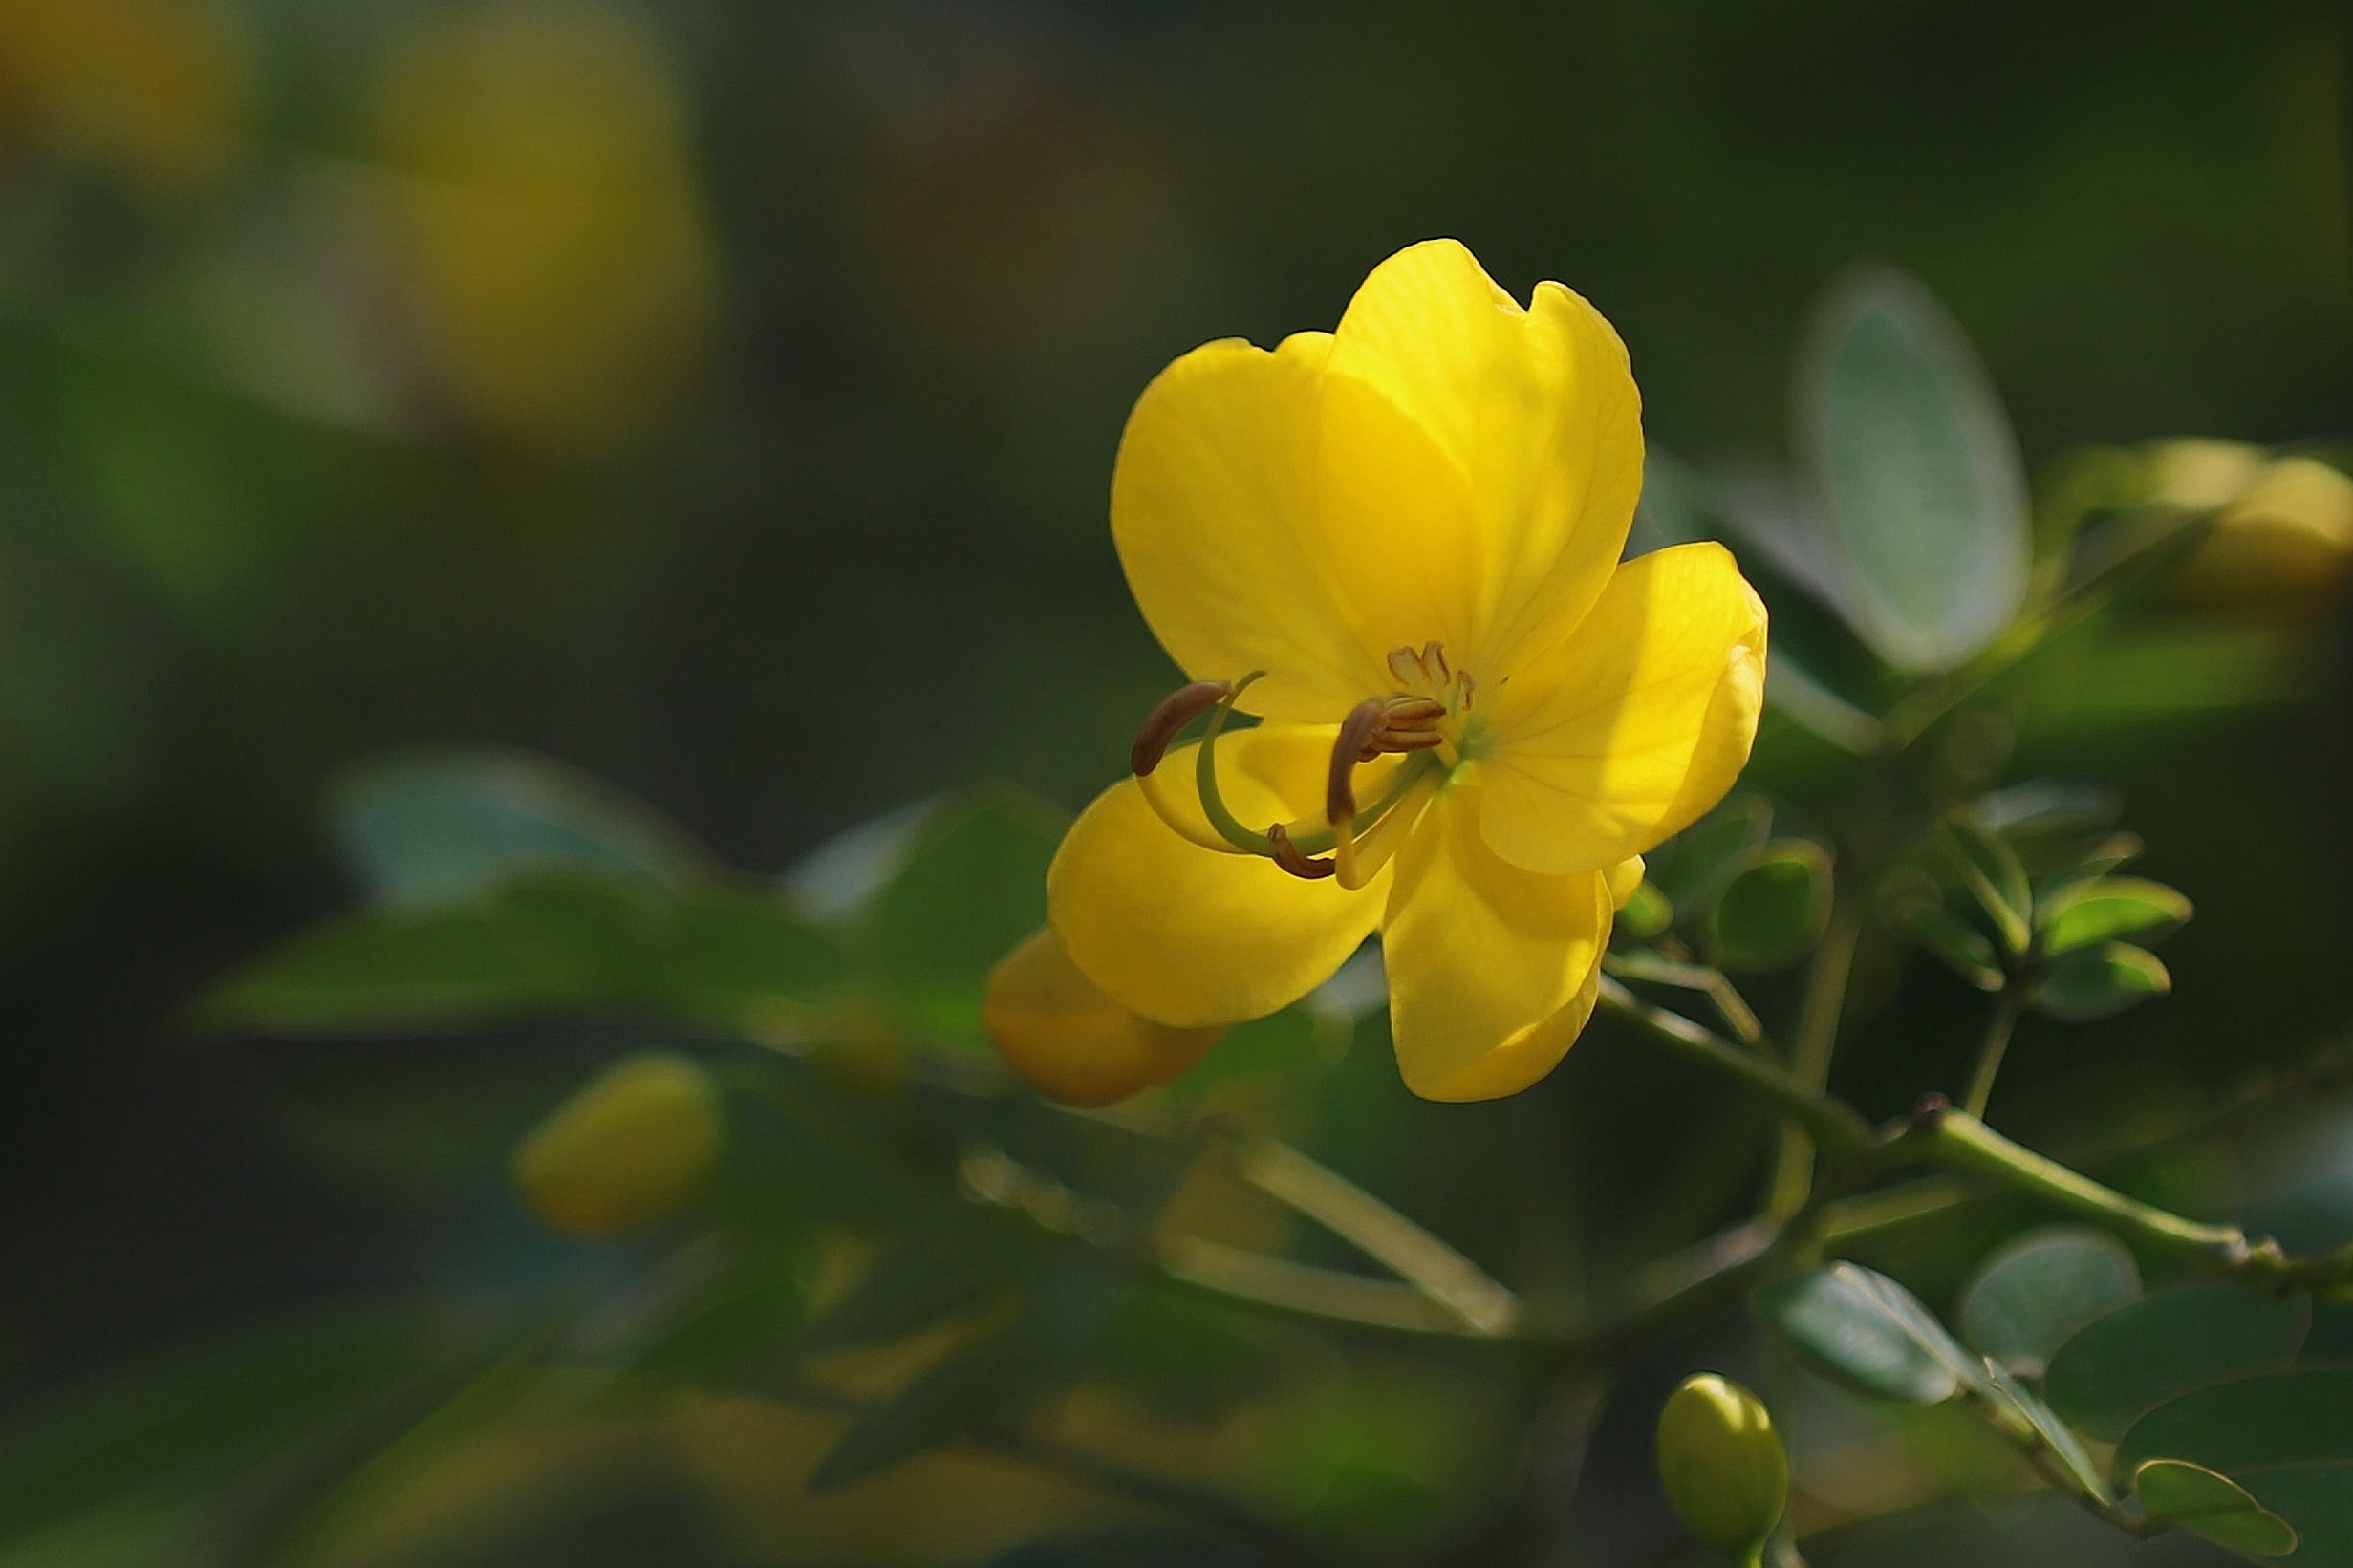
(1382, 1233)
(1999, 1028)
(1816, 1043)
(1828, 1122)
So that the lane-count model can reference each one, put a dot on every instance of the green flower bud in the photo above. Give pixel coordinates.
(627, 1151)
(1723, 1464)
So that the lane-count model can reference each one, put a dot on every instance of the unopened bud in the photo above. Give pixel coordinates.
(1723, 1464)
(627, 1151)
(1072, 1043)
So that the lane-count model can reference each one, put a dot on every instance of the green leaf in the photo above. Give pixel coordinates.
(2137, 1358)
(2100, 981)
(2109, 908)
(1696, 862)
(551, 944)
(2088, 863)
(1994, 877)
(2038, 808)
(1303, 1039)
(972, 887)
(1773, 907)
(1915, 464)
(2285, 1437)
(2030, 1296)
(959, 1259)
(2028, 1419)
(1869, 1332)
(443, 824)
(1952, 942)
(2205, 1503)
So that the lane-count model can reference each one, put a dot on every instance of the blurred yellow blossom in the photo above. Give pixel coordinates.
(156, 86)
(563, 258)
(1399, 544)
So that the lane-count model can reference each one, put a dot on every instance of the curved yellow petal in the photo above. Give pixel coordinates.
(1634, 726)
(1189, 938)
(1534, 410)
(1072, 1043)
(1217, 497)
(1492, 970)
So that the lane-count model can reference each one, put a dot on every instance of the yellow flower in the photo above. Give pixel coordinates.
(1399, 544)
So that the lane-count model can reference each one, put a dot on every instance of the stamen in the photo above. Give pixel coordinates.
(1353, 745)
(1167, 721)
(1358, 859)
(1287, 856)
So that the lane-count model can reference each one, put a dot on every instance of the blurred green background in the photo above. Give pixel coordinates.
(720, 394)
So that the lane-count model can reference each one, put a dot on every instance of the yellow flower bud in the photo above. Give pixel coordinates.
(1723, 1464)
(2285, 542)
(627, 1151)
(1070, 1041)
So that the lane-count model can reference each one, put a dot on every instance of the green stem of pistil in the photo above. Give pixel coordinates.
(1205, 778)
(1992, 1048)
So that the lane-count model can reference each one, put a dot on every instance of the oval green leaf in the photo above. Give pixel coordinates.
(2030, 1296)
(2097, 982)
(1917, 469)
(1772, 910)
(2207, 1503)
(438, 825)
(1994, 877)
(1952, 942)
(2134, 1360)
(2030, 1420)
(1869, 1332)
(2268, 1421)
(972, 887)
(2109, 908)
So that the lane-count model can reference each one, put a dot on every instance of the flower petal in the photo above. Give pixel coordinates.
(1189, 938)
(1072, 1043)
(1218, 508)
(1633, 727)
(1535, 409)
(1492, 970)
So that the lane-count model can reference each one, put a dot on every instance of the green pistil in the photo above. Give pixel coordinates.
(1418, 766)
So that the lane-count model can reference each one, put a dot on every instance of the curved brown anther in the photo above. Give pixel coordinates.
(1288, 857)
(1355, 745)
(1179, 708)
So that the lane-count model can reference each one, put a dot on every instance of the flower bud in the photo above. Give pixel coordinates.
(626, 1151)
(2284, 543)
(1723, 1464)
(1070, 1041)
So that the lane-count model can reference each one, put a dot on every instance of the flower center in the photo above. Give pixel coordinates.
(1424, 717)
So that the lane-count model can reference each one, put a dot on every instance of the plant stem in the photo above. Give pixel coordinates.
(1992, 1048)
(1956, 1140)
(1810, 1054)
(1831, 1124)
